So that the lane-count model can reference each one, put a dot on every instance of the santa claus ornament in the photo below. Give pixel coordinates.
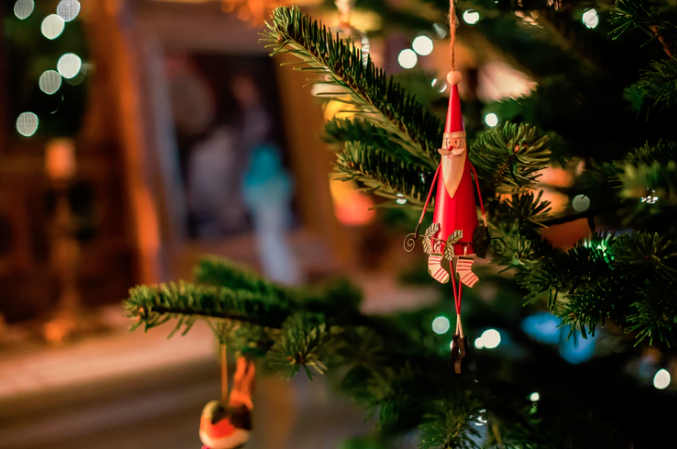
(226, 424)
(455, 236)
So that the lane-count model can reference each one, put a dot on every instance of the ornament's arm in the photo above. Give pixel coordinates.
(427, 201)
(479, 193)
(410, 239)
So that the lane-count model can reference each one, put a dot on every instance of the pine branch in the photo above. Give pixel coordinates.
(657, 86)
(657, 18)
(611, 277)
(384, 174)
(320, 330)
(509, 157)
(523, 209)
(154, 305)
(365, 89)
(340, 131)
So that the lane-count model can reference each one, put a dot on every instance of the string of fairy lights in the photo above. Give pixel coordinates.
(67, 67)
(423, 45)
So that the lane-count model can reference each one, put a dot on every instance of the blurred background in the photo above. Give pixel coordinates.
(137, 135)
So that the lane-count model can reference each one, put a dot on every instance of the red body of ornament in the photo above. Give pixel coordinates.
(455, 207)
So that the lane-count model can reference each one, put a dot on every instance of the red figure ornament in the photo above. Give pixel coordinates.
(454, 232)
(227, 426)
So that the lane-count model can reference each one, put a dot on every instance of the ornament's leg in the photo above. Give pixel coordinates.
(464, 270)
(462, 359)
(455, 341)
(435, 268)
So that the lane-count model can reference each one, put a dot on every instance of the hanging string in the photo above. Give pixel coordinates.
(452, 33)
(224, 374)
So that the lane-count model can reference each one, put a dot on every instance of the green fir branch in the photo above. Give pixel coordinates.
(384, 174)
(365, 89)
(509, 157)
(657, 86)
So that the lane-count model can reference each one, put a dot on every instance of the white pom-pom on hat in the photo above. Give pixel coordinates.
(454, 77)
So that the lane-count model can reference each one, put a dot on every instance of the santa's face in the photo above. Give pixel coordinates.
(453, 146)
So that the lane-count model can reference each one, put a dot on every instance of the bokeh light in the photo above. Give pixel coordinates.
(50, 82)
(27, 124)
(491, 119)
(24, 8)
(662, 379)
(407, 59)
(491, 338)
(439, 84)
(534, 397)
(441, 325)
(580, 203)
(471, 17)
(423, 45)
(69, 65)
(440, 30)
(52, 26)
(590, 18)
(401, 199)
(68, 9)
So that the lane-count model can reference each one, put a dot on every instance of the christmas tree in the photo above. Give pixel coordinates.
(602, 112)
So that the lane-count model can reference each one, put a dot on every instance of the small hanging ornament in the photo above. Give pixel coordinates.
(226, 423)
(347, 32)
(455, 235)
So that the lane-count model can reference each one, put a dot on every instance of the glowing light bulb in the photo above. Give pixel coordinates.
(401, 199)
(441, 325)
(422, 45)
(50, 82)
(439, 85)
(534, 397)
(440, 30)
(491, 119)
(590, 18)
(23, 9)
(52, 26)
(27, 124)
(491, 338)
(69, 65)
(471, 17)
(407, 59)
(68, 10)
(580, 203)
(662, 379)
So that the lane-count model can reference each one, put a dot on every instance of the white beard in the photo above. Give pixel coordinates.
(452, 171)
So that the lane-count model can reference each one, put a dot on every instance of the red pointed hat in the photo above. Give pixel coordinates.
(454, 114)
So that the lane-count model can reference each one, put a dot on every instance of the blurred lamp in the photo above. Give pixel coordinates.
(441, 325)
(662, 379)
(23, 8)
(52, 26)
(69, 65)
(491, 119)
(60, 159)
(422, 45)
(27, 124)
(471, 17)
(50, 82)
(68, 10)
(590, 18)
(407, 59)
